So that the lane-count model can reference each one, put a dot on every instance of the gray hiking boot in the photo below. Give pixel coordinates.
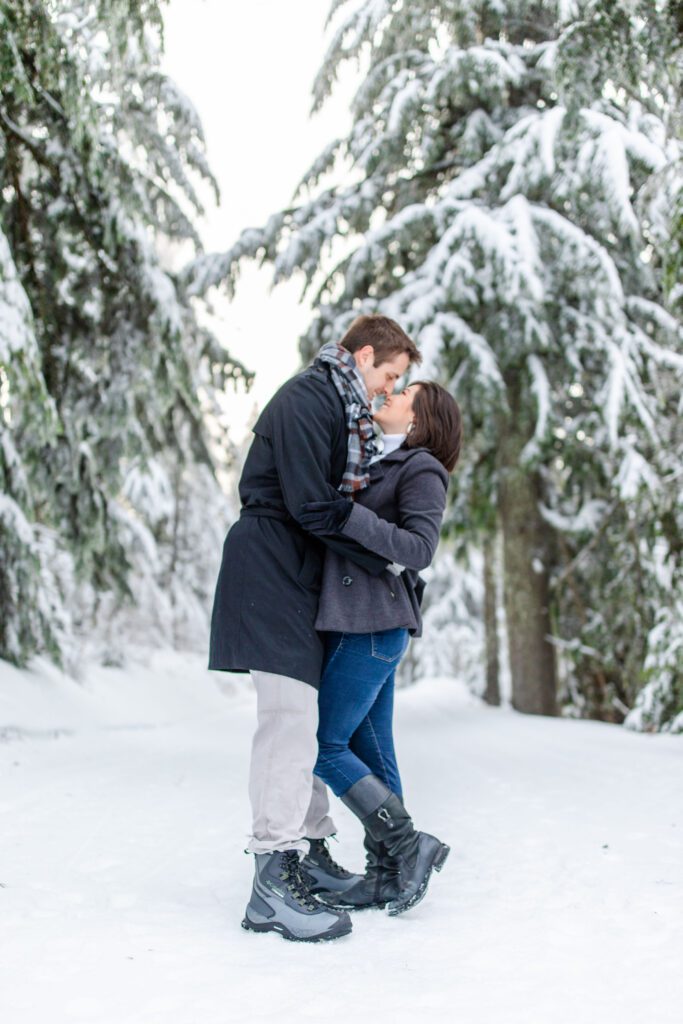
(281, 902)
(322, 871)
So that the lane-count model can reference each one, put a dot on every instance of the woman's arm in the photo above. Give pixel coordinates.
(421, 500)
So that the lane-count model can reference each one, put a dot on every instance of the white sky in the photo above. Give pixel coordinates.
(248, 67)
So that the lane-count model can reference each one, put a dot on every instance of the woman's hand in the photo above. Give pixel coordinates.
(325, 517)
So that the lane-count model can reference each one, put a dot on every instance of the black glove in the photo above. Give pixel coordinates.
(325, 517)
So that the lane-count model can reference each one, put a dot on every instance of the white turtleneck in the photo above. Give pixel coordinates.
(391, 442)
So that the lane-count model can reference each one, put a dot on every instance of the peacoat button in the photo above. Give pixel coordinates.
(347, 581)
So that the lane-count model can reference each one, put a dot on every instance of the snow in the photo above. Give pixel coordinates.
(635, 472)
(614, 391)
(530, 145)
(567, 9)
(11, 514)
(540, 388)
(587, 518)
(123, 882)
(15, 310)
(405, 101)
(148, 487)
(634, 142)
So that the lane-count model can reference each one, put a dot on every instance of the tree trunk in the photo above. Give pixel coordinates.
(492, 691)
(527, 543)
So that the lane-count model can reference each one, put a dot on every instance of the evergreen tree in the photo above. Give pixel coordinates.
(489, 201)
(637, 46)
(105, 369)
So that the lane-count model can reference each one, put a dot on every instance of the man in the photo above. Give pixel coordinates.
(313, 439)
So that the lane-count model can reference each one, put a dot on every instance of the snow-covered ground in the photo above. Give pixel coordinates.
(123, 815)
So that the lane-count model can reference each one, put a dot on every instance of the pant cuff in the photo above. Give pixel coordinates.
(322, 830)
(275, 845)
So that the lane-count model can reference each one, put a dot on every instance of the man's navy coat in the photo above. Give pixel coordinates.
(269, 583)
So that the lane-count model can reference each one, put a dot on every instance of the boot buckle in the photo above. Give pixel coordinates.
(383, 814)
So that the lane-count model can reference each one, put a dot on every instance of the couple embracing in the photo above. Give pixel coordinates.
(317, 596)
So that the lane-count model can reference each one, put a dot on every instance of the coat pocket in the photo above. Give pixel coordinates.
(310, 571)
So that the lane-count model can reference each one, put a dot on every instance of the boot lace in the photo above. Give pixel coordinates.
(295, 880)
(329, 861)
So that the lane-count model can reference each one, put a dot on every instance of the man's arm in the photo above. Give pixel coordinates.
(302, 429)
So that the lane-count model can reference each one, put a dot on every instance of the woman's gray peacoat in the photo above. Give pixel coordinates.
(399, 516)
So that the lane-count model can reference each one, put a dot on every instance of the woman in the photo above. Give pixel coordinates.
(366, 622)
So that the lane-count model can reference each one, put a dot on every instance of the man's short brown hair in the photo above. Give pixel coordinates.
(384, 334)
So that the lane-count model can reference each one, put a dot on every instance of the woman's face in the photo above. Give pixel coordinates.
(396, 414)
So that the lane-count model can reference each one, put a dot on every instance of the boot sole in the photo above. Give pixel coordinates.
(336, 932)
(395, 908)
(340, 905)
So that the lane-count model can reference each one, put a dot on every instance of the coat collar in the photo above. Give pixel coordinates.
(378, 469)
(401, 454)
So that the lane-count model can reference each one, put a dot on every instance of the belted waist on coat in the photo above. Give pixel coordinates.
(267, 513)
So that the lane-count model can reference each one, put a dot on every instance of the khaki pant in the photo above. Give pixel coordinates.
(288, 802)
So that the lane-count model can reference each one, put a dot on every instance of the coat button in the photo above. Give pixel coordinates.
(347, 581)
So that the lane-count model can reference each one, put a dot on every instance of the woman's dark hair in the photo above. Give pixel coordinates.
(438, 423)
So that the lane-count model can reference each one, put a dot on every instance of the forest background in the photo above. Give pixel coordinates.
(510, 189)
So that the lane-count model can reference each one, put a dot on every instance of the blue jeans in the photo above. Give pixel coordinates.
(356, 703)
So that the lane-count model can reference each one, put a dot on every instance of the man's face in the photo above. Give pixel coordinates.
(382, 379)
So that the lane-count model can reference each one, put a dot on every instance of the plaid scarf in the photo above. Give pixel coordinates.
(362, 445)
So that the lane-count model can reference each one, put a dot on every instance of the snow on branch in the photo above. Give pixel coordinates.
(449, 332)
(405, 102)
(586, 520)
(213, 269)
(347, 42)
(540, 388)
(635, 472)
(16, 333)
(530, 148)
(14, 519)
(320, 166)
(385, 71)
(586, 250)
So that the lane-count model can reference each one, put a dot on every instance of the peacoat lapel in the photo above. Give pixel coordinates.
(379, 469)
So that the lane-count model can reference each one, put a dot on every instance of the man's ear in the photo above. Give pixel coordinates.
(364, 356)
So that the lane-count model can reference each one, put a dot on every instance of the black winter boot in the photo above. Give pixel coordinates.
(387, 821)
(377, 887)
(322, 872)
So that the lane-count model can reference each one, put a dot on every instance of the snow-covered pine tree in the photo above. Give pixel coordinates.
(495, 215)
(636, 52)
(637, 46)
(106, 374)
